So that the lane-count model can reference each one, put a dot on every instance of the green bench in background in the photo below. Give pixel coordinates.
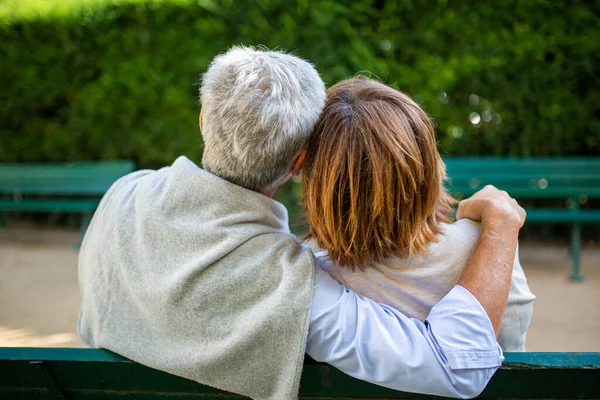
(574, 180)
(82, 374)
(74, 188)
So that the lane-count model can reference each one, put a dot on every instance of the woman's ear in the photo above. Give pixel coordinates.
(299, 163)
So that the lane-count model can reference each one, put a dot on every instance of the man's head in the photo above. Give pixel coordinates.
(258, 110)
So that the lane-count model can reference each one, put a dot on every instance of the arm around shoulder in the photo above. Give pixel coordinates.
(454, 353)
(488, 272)
(519, 310)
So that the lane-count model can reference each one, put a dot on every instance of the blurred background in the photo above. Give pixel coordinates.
(118, 79)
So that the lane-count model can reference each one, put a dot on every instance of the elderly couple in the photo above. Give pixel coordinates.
(194, 271)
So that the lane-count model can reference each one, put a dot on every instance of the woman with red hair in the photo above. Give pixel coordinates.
(373, 188)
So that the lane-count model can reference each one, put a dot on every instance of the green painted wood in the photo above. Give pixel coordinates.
(50, 205)
(98, 374)
(75, 187)
(526, 178)
(575, 179)
(81, 178)
(560, 215)
(462, 192)
(517, 162)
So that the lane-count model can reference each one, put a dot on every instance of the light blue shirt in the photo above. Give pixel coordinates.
(453, 353)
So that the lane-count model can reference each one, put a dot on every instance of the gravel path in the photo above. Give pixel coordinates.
(39, 296)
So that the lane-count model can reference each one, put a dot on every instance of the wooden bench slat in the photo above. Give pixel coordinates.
(558, 215)
(575, 179)
(85, 167)
(512, 161)
(50, 205)
(67, 187)
(527, 193)
(534, 178)
(92, 178)
(527, 180)
(85, 187)
(99, 374)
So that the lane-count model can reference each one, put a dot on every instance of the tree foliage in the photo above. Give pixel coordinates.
(102, 80)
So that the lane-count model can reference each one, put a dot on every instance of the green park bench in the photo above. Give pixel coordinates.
(92, 374)
(69, 187)
(574, 180)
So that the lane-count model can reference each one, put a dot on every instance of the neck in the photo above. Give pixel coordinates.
(270, 192)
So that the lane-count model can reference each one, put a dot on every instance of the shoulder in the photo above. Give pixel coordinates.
(327, 290)
(456, 237)
(323, 262)
(463, 228)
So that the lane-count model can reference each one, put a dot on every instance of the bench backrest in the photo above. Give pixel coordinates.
(80, 178)
(98, 374)
(526, 177)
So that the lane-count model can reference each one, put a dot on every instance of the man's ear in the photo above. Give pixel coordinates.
(299, 163)
(200, 120)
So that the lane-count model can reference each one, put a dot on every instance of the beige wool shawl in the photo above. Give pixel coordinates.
(190, 274)
(414, 285)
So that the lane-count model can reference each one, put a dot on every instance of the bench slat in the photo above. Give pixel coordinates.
(99, 374)
(559, 215)
(81, 178)
(526, 178)
(545, 162)
(50, 205)
(527, 193)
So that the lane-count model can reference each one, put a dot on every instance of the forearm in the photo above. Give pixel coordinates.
(519, 310)
(488, 273)
(454, 353)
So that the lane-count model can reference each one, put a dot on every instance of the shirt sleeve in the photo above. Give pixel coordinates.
(453, 353)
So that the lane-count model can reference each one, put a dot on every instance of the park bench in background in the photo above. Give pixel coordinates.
(79, 374)
(72, 188)
(574, 180)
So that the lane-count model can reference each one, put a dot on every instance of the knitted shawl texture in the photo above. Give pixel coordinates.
(188, 273)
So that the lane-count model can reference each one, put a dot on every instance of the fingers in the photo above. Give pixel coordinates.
(462, 206)
(491, 203)
(471, 208)
(460, 214)
(522, 214)
(490, 190)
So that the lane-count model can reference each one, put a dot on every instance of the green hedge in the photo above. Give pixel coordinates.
(98, 80)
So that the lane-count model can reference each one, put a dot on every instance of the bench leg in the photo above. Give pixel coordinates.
(85, 222)
(576, 252)
(546, 233)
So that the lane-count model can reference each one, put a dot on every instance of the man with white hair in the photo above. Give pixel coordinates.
(194, 271)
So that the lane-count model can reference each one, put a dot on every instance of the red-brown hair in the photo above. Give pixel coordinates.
(373, 177)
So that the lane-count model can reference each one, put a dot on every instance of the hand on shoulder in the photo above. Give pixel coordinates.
(493, 208)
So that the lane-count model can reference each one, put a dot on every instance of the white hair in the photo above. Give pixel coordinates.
(258, 110)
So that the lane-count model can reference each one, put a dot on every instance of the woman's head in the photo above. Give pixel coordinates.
(373, 177)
